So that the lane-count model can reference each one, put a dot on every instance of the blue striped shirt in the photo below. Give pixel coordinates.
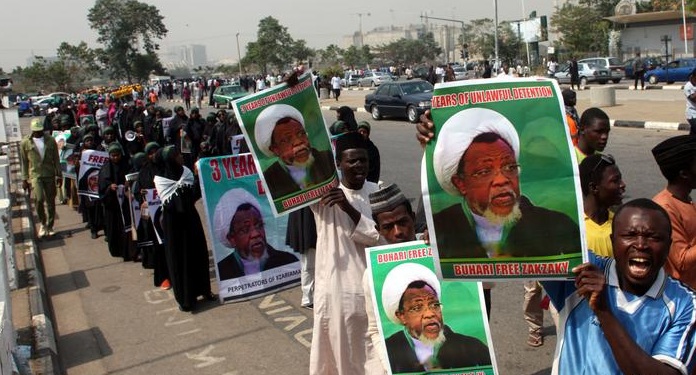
(661, 322)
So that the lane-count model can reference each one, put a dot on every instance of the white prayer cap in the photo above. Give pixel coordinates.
(456, 136)
(226, 208)
(397, 281)
(267, 120)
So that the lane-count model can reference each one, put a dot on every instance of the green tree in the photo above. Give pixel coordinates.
(352, 56)
(410, 51)
(79, 61)
(331, 55)
(300, 52)
(479, 35)
(270, 50)
(129, 31)
(582, 29)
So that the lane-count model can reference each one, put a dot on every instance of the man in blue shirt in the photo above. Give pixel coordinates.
(625, 315)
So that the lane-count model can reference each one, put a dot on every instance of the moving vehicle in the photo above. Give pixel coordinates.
(675, 70)
(612, 63)
(407, 99)
(586, 72)
(460, 73)
(373, 79)
(225, 95)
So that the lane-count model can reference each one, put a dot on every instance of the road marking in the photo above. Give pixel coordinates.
(267, 302)
(189, 332)
(280, 309)
(296, 321)
(205, 357)
(156, 296)
(171, 322)
(300, 337)
(290, 319)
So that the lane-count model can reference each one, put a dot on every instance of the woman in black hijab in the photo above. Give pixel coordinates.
(185, 246)
(346, 115)
(112, 180)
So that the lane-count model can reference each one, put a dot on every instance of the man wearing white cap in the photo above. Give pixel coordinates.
(411, 297)
(476, 157)
(239, 225)
(41, 167)
(280, 132)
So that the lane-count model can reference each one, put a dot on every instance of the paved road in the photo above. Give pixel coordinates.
(111, 319)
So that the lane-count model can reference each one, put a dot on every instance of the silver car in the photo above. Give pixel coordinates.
(586, 73)
(373, 79)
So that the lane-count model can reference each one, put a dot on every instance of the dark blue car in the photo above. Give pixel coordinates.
(400, 99)
(675, 70)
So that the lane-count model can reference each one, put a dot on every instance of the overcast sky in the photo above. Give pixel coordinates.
(38, 27)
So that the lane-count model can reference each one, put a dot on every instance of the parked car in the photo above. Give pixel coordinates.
(400, 99)
(649, 63)
(225, 95)
(460, 73)
(420, 72)
(611, 63)
(586, 72)
(675, 70)
(350, 79)
(373, 79)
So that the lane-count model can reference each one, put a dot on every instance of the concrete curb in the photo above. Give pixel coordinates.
(657, 125)
(45, 358)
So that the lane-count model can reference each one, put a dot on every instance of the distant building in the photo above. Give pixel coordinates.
(189, 56)
(48, 59)
(655, 33)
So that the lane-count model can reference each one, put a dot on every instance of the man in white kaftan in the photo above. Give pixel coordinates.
(344, 229)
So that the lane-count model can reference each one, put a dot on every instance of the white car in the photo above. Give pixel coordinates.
(373, 79)
(460, 73)
(586, 73)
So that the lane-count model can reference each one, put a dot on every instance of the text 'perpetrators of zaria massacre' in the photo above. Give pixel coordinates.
(492, 95)
(400, 256)
(270, 99)
(511, 269)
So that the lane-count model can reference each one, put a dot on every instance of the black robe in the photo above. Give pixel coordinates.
(115, 217)
(151, 250)
(185, 247)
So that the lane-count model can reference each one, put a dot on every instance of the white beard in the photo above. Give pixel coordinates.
(510, 218)
(432, 342)
(305, 164)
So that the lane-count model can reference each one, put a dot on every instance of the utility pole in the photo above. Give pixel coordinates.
(239, 57)
(447, 29)
(362, 41)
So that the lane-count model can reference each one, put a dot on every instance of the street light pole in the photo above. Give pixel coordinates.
(239, 57)
(362, 42)
(686, 43)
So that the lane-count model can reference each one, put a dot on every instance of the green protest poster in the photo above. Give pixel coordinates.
(500, 182)
(285, 131)
(249, 248)
(426, 325)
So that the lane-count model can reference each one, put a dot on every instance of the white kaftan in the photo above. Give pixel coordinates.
(340, 319)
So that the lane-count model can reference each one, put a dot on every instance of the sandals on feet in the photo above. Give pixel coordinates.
(535, 339)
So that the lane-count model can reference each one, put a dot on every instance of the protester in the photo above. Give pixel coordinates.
(676, 156)
(690, 93)
(336, 86)
(570, 99)
(112, 177)
(41, 173)
(624, 314)
(593, 133)
(301, 236)
(344, 230)
(372, 151)
(185, 246)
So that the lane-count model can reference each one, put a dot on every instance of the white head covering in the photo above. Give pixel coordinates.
(456, 136)
(225, 210)
(267, 120)
(397, 281)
